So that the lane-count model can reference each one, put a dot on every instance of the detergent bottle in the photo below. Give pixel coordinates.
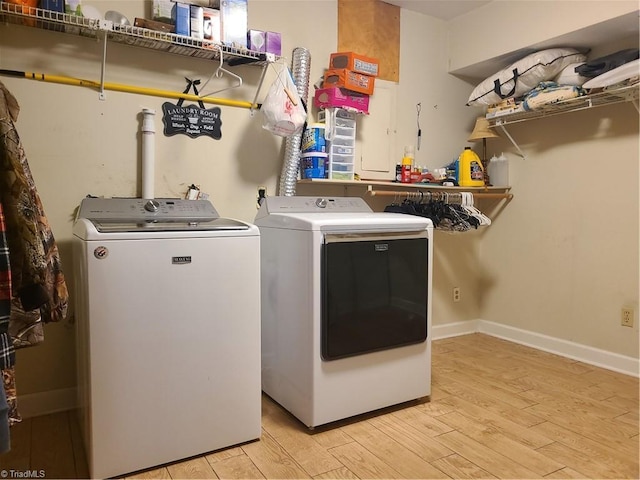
(407, 164)
(470, 171)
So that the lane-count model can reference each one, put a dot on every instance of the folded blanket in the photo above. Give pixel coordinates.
(549, 93)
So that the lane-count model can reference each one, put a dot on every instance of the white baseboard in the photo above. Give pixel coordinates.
(44, 403)
(583, 353)
(454, 329)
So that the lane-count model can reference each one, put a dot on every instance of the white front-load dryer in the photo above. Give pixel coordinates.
(346, 311)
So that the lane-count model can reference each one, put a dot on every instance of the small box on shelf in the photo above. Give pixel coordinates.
(335, 97)
(196, 22)
(181, 15)
(345, 78)
(211, 24)
(233, 22)
(261, 41)
(354, 61)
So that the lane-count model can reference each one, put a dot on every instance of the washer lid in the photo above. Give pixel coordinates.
(120, 215)
(169, 226)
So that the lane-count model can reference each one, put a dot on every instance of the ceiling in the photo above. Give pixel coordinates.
(442, 9)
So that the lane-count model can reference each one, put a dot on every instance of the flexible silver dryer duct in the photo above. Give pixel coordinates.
(300, 69)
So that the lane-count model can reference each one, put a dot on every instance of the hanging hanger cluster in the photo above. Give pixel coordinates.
(448, 211)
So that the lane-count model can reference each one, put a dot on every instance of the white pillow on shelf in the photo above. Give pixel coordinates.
(569, 76)
(524, 75)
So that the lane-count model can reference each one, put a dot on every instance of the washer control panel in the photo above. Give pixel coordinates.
(139, 209)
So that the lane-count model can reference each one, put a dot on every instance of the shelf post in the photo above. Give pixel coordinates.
(270, 59)
(102, 95)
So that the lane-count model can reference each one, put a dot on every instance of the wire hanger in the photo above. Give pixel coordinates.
(218, 73)
(419, 138)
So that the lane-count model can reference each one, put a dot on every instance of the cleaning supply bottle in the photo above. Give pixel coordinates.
(470, 171)
(407, 164)
(398, 177)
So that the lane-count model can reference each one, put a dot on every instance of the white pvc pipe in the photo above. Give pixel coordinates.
(148, 153)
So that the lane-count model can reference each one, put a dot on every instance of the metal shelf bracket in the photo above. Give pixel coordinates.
(520, 152)
(103, 68)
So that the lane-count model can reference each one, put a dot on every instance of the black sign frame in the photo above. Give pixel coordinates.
(191, 120)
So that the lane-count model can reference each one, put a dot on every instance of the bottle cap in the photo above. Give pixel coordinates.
(409, 151)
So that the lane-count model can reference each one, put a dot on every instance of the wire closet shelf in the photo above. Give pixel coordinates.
(610, 96)
(129, 35)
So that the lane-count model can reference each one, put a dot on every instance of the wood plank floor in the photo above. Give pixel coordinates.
(497, 410)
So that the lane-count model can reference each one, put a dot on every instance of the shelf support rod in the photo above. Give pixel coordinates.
(520, 152)
(254, 105)
(270, 59)
(396, 193)
(102, 95)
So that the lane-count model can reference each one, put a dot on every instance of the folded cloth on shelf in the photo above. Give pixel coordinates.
(601, 65)
(627, 74)
(549, 93)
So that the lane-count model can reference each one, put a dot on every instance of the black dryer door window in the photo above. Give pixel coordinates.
(374, 292)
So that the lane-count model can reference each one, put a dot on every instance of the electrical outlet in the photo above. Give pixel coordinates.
(262, 194)
(626, 319)
(456, 294)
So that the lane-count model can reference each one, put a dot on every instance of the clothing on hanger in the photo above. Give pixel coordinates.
(5, 437)
(36, 270)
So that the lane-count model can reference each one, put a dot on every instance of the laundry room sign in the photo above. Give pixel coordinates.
(192, 120)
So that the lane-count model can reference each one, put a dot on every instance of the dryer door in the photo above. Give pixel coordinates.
(374, 292)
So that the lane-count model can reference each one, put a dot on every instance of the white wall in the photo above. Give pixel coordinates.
(562, 258)
(508, 29)
(77, 144)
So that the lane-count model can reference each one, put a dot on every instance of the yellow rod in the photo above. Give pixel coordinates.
(117, 87)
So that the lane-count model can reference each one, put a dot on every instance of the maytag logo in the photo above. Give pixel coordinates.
(381, 247)
(180, 260)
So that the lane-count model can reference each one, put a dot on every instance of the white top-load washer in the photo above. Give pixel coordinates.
(346, 311)
(168, 316)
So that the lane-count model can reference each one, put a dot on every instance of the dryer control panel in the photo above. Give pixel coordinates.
(273, 205)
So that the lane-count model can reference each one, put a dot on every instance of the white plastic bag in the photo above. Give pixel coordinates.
(282, 111)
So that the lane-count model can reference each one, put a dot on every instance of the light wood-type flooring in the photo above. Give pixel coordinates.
(497, 410)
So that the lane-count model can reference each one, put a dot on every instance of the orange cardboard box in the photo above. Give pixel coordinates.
(342, 77)
(355, 62)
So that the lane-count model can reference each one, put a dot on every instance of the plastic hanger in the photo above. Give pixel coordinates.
(218, 73)
(468, 206)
